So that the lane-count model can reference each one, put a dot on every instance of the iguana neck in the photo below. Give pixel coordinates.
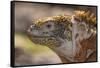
(65, 51)
(69, 49)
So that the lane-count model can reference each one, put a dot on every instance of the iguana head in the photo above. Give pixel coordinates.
(46, 31)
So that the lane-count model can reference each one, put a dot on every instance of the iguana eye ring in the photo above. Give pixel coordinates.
(49, 26)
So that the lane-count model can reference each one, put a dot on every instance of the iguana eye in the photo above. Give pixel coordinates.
(48, 25)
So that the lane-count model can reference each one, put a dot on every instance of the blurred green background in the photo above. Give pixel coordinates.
(28, 53)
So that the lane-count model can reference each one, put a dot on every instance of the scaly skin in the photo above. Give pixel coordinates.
(68, 36)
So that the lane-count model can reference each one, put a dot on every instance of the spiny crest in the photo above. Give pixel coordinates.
(62, 18)
(56, 19)
(87, 16)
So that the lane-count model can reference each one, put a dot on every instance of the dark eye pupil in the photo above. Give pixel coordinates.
(48, 25)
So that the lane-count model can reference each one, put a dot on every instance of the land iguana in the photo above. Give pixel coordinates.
(72, 38)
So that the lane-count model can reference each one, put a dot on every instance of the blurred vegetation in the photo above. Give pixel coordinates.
(22, 40)
(28, 53)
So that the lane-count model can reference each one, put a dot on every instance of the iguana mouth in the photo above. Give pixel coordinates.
(29, 33)
(42, 36)
(35, 36)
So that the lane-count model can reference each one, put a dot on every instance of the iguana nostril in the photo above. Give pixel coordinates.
(33, 27)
